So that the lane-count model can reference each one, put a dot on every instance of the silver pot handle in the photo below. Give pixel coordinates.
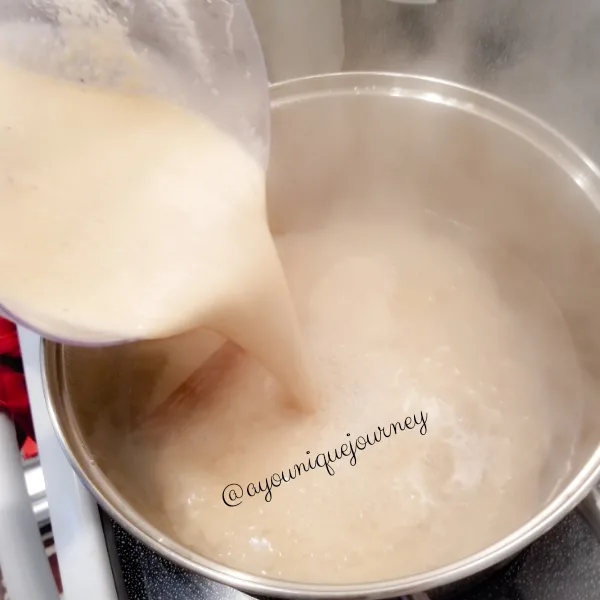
(25, 566)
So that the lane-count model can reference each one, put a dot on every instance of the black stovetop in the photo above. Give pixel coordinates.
(562, 565)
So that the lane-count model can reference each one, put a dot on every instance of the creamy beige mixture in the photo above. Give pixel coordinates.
(404, 322)
(125, 217)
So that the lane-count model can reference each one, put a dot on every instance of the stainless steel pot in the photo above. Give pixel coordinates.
(538, 197)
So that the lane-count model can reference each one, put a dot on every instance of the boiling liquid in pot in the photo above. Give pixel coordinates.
(407, 316)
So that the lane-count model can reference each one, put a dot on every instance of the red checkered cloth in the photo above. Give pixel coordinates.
(13, 392)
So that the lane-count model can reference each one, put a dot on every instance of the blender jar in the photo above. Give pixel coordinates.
(205, 56)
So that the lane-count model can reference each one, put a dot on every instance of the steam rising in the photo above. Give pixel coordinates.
(543, 55)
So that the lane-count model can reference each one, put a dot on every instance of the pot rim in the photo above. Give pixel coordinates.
(583, 172)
